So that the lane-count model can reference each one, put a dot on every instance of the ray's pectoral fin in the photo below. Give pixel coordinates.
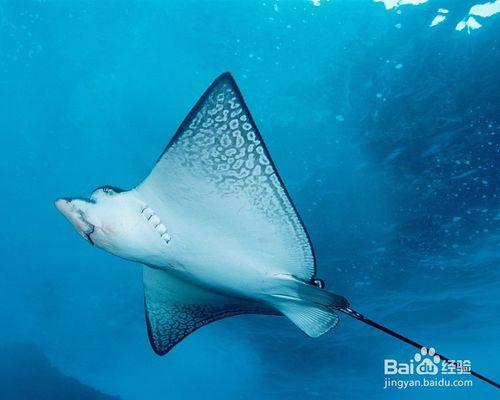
(175, 308)
(216, 172)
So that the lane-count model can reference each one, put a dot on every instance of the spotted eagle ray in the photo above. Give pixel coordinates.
(215, 230)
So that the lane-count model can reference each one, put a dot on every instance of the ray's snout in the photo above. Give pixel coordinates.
(62, 205)
(75, 215)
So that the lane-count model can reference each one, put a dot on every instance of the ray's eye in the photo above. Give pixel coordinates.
(108, 190)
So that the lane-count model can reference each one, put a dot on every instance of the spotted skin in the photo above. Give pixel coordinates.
(217, 172)
(219, 143)
(175, 309)
(168, 325)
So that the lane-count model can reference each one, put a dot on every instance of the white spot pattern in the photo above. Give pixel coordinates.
(171, 316)
(220, 143)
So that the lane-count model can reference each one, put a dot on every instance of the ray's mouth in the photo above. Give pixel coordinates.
(76, 217)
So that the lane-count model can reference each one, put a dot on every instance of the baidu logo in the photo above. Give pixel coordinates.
(426, 362)
(426, 369)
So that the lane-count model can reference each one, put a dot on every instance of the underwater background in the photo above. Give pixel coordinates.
(385, 130)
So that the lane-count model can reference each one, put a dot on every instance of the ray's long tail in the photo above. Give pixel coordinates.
(314, 310)
(360, 317)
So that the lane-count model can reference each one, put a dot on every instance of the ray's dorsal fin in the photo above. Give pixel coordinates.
(174, 308)
(217, 173)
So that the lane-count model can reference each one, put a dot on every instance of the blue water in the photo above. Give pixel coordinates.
(384, 129)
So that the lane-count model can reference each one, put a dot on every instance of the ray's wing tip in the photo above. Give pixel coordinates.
(156, 349)
(225, 76)
(158, 352)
